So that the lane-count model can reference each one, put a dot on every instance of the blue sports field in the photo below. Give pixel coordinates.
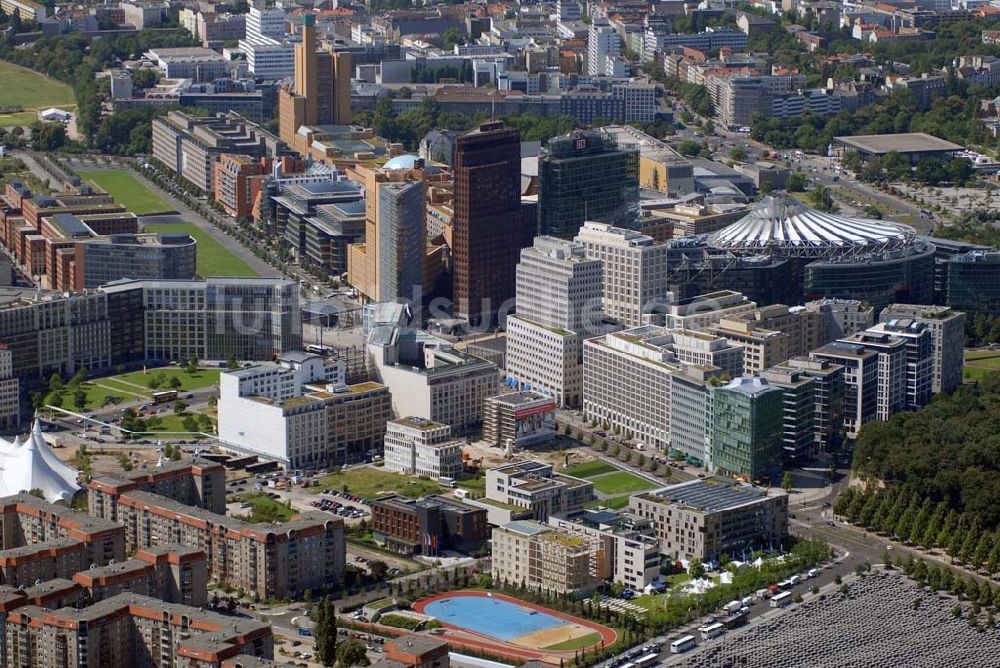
(491, 617)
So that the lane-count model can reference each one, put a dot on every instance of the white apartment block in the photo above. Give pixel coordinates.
(947, 329)
(841, 317)
(10, 391)
(702, 312)
(558, 304)
(634, 270)
(707, 350)
(602, 41)
(626, 539)
(420, 447)
(265, 23)
(283, 379)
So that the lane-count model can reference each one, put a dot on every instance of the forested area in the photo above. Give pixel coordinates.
(940, 467)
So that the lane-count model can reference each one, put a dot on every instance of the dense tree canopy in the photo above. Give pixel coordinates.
(948, 452)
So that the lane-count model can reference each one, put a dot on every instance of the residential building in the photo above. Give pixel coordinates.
(271, 561)
(301, 412)
(627, 541)
(518, 419)
(603, 45)
(28, 520)
(429, 377)
(840, 318)
(115, 632)
(702, 520)
(197, 483)
(489, 228)
(530, 554)
(265, 22)
(947, 328)
(584, 176)
(798, 413)
(919, 358)
(28, 9)
(762, 348)
(10, 392)
(827, 397)
(708, 41)
(746, 427)
(428, 526)
(420, 447)
(634, 270)
(532, 486)
(268, 58)
(170, 573)
(214, 319)
(232, 182)
(861, 381)
(558, 304)
(29, 564)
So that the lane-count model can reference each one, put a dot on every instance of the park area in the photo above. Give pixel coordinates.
(610, 481)
(135, 386)
(978, 363)
(214, 259)
(127, 191)
(31, 91)
(369, 482)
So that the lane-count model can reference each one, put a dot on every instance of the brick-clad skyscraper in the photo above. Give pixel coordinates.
(487, 224)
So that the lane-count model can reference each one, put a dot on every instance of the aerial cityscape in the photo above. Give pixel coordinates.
(423, 334)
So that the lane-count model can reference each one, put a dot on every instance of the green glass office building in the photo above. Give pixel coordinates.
(746, 427)
(584, 176)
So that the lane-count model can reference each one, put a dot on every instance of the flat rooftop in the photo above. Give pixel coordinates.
(710, 495)
(910, 142)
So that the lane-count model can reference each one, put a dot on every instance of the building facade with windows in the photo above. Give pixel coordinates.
(420, 447)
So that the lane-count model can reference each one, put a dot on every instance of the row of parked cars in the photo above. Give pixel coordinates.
(338, 508)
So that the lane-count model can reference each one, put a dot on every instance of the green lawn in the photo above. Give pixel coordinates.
(620, 482)
(978, 363)
(32, 90)
(189, 381)
(576, 643)
(214, 259)
(23, 118)
(476, 486)
(169, 421)
(264, 508)
(590, 469)
(369, 483)
(127, 190)
(101, 396)
(616, 503)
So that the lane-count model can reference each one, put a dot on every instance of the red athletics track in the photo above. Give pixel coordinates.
(489, 644)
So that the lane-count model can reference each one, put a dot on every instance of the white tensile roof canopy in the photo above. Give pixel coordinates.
(31, 464)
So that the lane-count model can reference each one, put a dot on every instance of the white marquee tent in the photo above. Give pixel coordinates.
(31, 464)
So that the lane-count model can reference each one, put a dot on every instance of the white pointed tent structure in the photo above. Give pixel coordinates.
(31, 464)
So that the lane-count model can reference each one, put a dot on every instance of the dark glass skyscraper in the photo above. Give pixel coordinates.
(585, 176)
(488, 229)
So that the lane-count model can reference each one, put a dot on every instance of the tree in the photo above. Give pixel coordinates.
(80, 399)
(451, 37)
(352, 653)
(232, 363)
(696, 570)
(325, 632)
(796, 182)
(787, 481)
(378, 569)
(822, 198)
(179, 407)
(37, 492)
(174, 383)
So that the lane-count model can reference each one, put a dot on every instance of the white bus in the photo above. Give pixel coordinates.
(711, 631)
(781, 600)
(682, 645)
(646, 661)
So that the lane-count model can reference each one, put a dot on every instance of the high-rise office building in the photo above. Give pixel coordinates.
(635, 270)
(558, 304)
(389, 265)
(746, 418)
(322, 93)
(586, 176)
(488, 229)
